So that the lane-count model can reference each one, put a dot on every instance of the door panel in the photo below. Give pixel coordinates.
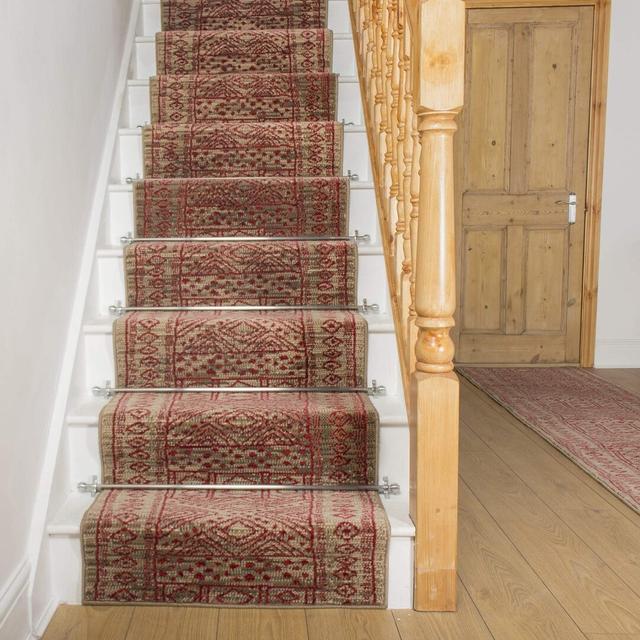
(522, 150)
(483, 270)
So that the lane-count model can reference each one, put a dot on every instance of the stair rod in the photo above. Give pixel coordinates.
(108, 391)
(386, 488)
(118, 309)
(129, 239)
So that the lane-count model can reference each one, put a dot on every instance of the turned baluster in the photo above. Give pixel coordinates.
(414, 200)
(380, 117)
(404, 204)
(396, 200)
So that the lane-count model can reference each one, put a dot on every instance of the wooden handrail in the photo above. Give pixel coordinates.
(411, 67)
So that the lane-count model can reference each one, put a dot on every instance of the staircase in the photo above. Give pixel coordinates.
(115, 264)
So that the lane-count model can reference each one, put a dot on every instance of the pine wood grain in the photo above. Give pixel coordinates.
(523, 147)
(351, 624)
(168, 623)
(262, 624)
(89, 623)
(615, 538)
(511, 598)
(593, 595)
(465, 624)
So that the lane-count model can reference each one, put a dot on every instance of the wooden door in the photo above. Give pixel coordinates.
(523, 148)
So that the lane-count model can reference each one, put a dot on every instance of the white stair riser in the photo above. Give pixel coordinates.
(344, 61)
(67, 570)
(372, 281)
(362, 214)
(338, 17)
(138, 111)
(382, 366)
(83, 448)
(355, 158)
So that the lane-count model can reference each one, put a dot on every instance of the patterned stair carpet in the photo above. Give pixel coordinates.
(274, 206)
(243, 147)
(593, 422)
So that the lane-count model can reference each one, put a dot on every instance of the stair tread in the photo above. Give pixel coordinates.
(247, 96)
(84, 411)
(240, 348)
(290, 272)
(226, 149)
(231, 547)
(243, 14)
(241, 206)
(225, 51)
(265, 438)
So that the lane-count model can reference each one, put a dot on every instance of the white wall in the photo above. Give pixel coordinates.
(618, 327)
(59, 61)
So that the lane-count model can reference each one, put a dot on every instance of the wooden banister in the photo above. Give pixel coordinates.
(411, 68)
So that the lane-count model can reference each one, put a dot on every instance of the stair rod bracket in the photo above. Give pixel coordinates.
(386, 489)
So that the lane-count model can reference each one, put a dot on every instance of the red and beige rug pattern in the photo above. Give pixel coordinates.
(593, 422)
(243, 204)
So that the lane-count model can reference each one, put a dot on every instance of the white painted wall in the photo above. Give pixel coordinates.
(618, 327)
(59, 61)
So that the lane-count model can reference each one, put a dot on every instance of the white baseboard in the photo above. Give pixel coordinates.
(612, 353)
(14, 605)
(43, 622)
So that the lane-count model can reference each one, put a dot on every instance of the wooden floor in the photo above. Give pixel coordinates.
(545, 553)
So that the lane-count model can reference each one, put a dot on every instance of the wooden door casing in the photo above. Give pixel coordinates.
(523, 147)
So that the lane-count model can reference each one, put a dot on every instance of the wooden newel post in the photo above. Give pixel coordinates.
(438, 91)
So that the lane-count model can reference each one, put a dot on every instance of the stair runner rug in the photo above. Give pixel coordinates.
(593, 422)
(253, 206)
(243, 143)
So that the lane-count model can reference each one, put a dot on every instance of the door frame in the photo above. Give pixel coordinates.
(595, 154)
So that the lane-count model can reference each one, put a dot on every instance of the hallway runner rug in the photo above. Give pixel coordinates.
(243, 204)
(591, 421)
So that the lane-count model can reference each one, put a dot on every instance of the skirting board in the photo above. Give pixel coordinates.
(620, 353)
(14, 605)
(41, 508)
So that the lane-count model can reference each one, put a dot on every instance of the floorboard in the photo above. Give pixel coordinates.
(513, 601)
(628, 379)
(168, 623)
(263, 624)
(465, 624)
(351, 624)
(89, 623)
(588, 589)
